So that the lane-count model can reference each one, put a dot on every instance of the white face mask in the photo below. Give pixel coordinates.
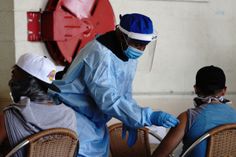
(206, 100)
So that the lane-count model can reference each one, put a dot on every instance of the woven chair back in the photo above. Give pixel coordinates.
(57, 142)
(222, 141)
(119, 147)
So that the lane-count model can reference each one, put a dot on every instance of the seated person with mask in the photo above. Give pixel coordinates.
(32, 110)
(211, 110)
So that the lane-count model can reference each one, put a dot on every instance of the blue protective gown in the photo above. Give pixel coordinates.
(98, 86)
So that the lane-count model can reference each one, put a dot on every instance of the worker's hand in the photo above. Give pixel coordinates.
(132, 135)
(160, 118)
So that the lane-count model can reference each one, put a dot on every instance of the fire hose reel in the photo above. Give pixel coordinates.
(65, 26)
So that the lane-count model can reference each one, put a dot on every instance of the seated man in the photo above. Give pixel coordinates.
(211, 110)
(32, 110)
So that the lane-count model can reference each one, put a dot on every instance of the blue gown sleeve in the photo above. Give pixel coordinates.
(104, 89)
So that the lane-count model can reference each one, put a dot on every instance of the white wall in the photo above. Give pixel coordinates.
(191, 35)
(7, 50)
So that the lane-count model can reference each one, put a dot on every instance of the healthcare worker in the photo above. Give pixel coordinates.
(98, 86)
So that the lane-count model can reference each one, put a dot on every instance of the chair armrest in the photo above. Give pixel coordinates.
(17, 147)
(199, 140)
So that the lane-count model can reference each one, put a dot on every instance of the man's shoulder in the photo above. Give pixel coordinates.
(24, 102)
(96, 52)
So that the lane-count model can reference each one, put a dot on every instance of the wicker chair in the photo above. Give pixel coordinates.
(221, 143)
(119, 148)
(56, 142)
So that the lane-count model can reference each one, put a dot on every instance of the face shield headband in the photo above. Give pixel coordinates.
(138, 36)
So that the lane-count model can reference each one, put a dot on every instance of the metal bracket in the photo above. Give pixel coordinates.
(34, 26)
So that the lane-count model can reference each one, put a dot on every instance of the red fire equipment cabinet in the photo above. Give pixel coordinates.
(65, 26)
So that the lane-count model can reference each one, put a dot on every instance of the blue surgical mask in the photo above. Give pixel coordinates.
(133, 53)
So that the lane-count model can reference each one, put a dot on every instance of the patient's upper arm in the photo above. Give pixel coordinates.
(173, 138)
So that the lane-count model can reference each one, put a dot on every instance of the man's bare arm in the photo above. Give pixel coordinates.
(172, 139)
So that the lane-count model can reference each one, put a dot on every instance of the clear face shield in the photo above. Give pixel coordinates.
(146, 60)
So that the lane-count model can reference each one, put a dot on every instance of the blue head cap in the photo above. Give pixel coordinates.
(138, 27)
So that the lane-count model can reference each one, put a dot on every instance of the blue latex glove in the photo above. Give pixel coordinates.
(160, 118)
(132, 135)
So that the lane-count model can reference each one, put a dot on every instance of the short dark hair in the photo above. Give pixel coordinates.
(210, 80)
